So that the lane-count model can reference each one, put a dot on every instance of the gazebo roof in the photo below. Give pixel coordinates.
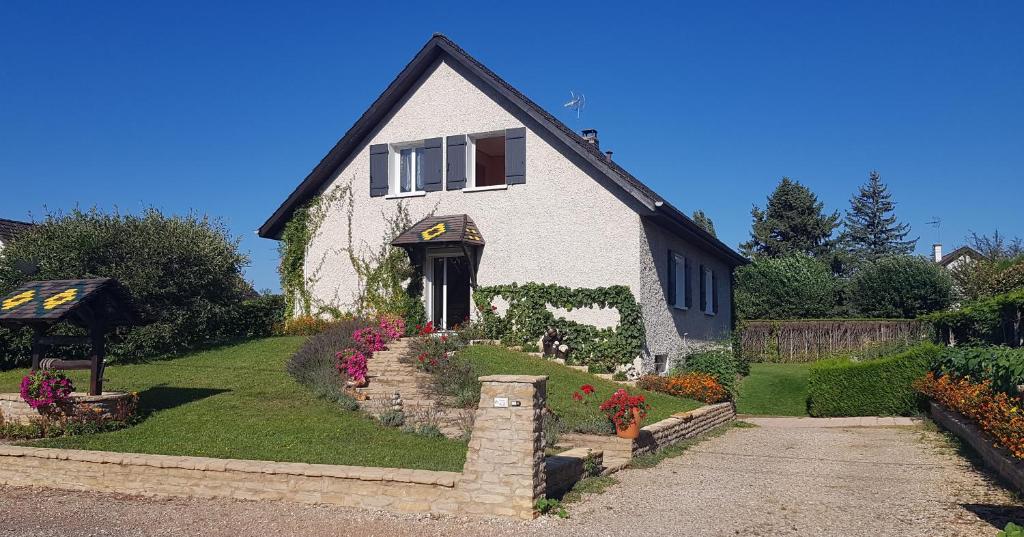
(79, 301)
(456, 228)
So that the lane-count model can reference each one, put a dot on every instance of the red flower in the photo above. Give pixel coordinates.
(444, 338)
(576, 396)
(587, 389)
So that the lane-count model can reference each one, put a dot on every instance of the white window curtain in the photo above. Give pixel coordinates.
(410, 177)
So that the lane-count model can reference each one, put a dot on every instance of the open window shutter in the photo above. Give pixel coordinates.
(703, 290)
(432, 170)
(456, 174)
(379, 170)
(670, 287)
(688, 274)
(515, 156)
(714, 291)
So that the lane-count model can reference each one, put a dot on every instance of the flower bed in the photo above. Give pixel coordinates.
(699, 386)
(996, 413)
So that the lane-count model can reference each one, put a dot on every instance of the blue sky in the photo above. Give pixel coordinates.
(223, 109)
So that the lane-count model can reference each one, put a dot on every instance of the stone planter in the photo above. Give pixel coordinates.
(14, 409)
(998, 459)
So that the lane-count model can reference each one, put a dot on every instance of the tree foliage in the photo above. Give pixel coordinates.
(900, 287)
(793, 222)
(996, 247)
(872, 230)
(183, 273)
(791, 287)
(703, 221)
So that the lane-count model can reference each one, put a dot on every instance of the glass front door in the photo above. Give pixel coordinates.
(448, 291)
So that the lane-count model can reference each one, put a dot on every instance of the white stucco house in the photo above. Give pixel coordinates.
(10, 229)
(515, 196)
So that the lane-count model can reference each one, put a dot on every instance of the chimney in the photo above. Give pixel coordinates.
(608, 155)
(937, 252)
(590, 135)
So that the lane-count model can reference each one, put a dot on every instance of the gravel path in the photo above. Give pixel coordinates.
(765, 481)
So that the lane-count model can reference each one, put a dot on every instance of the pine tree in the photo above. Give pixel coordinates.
(872, 230)
(792, 222)
(703, 221)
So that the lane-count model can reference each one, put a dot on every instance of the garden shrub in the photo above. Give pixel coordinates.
(314, 364)
(183, 274)
(719, 363)
(1002, 367)
(880, 387)
(997, 413)
(528, 318)
(900, 287)
(792, 287)
(993, 321)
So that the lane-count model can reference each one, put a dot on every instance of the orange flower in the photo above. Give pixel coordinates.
(996, 413)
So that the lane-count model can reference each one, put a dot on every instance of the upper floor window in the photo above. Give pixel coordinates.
(487, 161)
(410, 167)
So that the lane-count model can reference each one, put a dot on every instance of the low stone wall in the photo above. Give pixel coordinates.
(1009, 468)
(503, 474)
(14, 409)
(567, 468)
(656, 436)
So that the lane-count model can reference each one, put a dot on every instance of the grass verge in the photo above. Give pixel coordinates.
(590, 485)
(237, 402)
(774, 390)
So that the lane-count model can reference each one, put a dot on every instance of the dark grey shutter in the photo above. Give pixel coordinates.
(670, 289)
(515, 156)
(456, 175)
(703, 291)
(714, 291)
(432, 165)
(379, 170)
(688, 284)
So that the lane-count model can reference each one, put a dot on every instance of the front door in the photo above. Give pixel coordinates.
(448, 291)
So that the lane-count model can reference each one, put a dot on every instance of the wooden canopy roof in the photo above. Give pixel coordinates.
(456, 228)
(82, 302)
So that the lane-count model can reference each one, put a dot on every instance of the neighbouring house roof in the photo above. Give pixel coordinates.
(55, 300)
(456, 228)
(963, 251)
(439, 45)
(11, 228)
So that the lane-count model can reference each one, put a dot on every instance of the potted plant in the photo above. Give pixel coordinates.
(626, 412)
(46, 390)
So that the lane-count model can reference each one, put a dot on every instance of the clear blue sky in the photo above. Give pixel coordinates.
(224, 109)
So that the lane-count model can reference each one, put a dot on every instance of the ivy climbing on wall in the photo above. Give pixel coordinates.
(528, 317)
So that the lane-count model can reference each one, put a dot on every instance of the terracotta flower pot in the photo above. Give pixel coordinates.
(633, 429)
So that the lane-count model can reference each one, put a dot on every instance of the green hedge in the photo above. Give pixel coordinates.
(881, 387)
(993, 321)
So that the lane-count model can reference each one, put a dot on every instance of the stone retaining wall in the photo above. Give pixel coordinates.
(503, 474)
(565, 469)
(14, 409)
(656, 436)
(1009, 468)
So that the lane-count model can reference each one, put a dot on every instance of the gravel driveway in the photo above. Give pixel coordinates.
(764, 481)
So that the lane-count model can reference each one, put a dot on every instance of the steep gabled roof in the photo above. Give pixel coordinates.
(11, 228)
(963, 251)
(438, 46)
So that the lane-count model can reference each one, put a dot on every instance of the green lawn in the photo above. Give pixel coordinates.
(774, 390)
(563, 381)
(237, 402)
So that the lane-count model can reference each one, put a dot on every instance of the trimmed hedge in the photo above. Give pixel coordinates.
(992, 321)
(882, 387)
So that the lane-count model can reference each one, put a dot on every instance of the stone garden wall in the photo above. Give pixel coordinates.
(503, 474)
(14, 409)
(998, 459)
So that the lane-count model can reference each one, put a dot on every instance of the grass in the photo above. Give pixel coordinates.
(563, 381)
(589, 485)
(237, 402)
(774, 390)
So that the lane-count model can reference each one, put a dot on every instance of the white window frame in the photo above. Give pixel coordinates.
(471, 162)
(709, 291)
(395, 172)
(680, 262)
(428, 287)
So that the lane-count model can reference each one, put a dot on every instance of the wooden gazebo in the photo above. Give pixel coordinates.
(96, 305)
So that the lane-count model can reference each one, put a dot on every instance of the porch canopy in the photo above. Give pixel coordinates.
(95, 304)
(457, 230)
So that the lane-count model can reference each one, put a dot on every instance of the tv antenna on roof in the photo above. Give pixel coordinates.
(576, 102)
(936, 222)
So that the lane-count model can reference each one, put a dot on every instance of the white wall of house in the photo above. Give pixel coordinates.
(670, 330)
(562, 226)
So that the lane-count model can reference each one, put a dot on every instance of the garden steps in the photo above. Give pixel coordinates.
(387, 374)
